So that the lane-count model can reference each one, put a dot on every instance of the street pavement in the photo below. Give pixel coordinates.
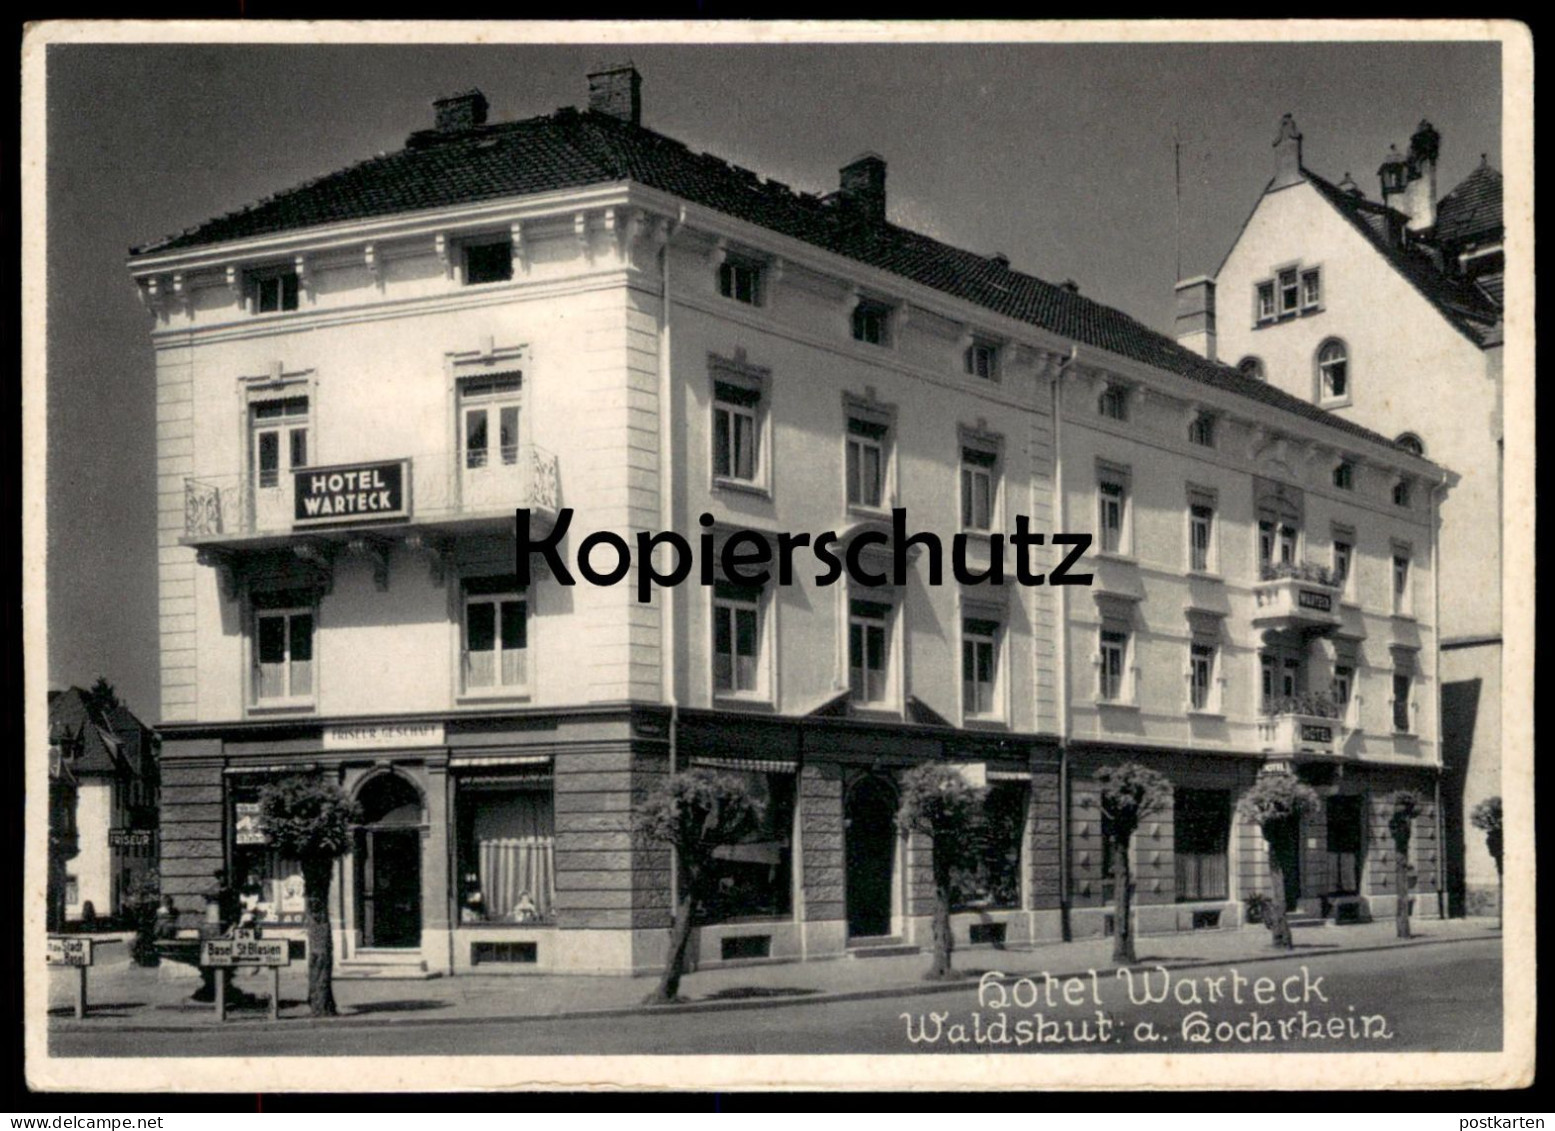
(133, 1009)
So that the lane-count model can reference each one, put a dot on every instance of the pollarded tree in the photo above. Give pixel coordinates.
(939, 803)
(1486, 817)
(1128, 794)
(1403, 807)
(308, 818)
(1275, 804)
(695, 813)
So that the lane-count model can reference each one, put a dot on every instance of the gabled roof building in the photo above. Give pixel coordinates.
(1386, 311)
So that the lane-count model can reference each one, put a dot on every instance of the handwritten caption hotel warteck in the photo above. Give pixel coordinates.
(1149, 1010)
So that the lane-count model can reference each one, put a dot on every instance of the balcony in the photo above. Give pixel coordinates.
(1300, 725)
(1296, 596)
(440, 492)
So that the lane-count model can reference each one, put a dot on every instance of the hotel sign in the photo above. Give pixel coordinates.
(382, 736)
(350, 493)
(1308, 599)
(1311, 732)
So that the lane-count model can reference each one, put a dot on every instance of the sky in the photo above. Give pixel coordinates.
(1058, 156)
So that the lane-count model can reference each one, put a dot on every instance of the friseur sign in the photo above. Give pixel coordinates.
(353, 492)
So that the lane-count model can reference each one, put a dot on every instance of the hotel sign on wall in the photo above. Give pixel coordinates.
(351, 492)
(382, 736)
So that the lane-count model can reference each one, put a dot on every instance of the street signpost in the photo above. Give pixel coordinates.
(75, 952)
(246, 951)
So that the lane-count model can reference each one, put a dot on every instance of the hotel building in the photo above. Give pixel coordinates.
(361, 378)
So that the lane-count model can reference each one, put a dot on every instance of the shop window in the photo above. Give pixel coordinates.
(270, 886)
(1201, 831)
(754, 878)
(506, 856)
(496, 636)
(991, 879)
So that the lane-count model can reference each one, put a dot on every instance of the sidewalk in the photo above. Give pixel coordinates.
(127, 997)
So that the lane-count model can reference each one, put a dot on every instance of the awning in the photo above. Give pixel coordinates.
(746, 765)
(1009, 775)
(274, 768)
(473, 761)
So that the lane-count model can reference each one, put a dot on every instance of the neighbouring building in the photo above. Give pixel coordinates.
(103, 796)
(361, 378)
(1388, 311)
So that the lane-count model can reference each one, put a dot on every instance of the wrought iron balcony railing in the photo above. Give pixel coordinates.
(440, 486)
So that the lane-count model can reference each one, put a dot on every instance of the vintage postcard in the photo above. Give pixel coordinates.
(754, 556)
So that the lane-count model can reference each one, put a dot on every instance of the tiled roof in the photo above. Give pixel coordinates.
(110, 741)
(1471, 209)
(1460, 302)
(571, 149)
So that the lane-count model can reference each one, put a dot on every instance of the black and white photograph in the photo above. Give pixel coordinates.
(778, 555)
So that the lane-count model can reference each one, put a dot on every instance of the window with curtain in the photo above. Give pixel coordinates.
(507, 851)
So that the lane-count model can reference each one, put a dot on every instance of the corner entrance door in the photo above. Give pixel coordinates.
(870, 839)
(1346, 843)
(389, 883)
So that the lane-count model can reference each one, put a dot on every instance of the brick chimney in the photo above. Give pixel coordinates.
(617, 91)
(1195, 325)
(463, 111)
(1420, 193)
(862, 185)
(1287, 154)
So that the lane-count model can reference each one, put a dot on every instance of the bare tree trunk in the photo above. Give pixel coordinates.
(944, 942)
(1279, 838)
(1401, 882)
(1500, 896)
(316, 878)
(1123, 927)
(680, 944)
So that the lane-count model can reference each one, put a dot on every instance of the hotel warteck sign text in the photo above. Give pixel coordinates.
(350, 493)
(382, 736)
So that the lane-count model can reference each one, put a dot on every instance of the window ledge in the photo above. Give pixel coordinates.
(1205, 575)
(475, 698)
(1118, 704)
(1115, 556)
(861, 510)
(1214, 716)
(743, 702)
(1333, 403)
(1408, 617)
(1306, 310)
(282, 706)
(978, 535)
(984, 722)
(723, 483)
(874, 711)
